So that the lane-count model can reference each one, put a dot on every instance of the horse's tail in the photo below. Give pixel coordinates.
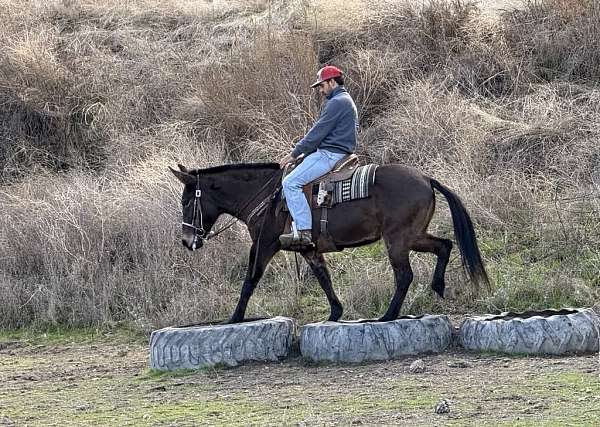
(465, 236)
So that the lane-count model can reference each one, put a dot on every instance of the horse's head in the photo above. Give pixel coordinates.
(198, 208)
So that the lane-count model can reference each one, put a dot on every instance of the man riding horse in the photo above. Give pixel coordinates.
(398, 207)
(332, 137)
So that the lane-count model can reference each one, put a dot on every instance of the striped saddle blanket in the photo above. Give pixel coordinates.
(355, 187)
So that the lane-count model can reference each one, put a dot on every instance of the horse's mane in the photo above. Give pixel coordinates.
(236, 166)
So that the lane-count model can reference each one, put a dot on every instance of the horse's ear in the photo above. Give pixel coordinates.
(182, 168)
(184, 177)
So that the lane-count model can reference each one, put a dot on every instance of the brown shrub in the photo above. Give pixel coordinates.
(557, 38)
(261, 98)
(42, 120)
(135, 86)
(428, 125)
(76, 252)
(433, 29)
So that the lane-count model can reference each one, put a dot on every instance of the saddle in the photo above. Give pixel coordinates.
(318, 192)
(320, 195)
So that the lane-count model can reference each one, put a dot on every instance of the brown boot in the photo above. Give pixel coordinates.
(304, 239)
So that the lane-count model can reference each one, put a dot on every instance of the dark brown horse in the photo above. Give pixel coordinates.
(401, 205)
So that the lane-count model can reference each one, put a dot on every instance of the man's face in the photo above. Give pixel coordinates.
(326, 87)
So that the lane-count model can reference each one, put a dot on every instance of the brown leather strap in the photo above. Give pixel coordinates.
(324, 221)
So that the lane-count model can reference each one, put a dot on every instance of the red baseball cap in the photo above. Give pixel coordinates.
(326, 73)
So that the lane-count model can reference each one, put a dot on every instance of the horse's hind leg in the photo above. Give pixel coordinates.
(319, 269)
(403, 275)
(441, 248)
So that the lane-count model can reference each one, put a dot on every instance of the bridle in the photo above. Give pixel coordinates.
(199, 231)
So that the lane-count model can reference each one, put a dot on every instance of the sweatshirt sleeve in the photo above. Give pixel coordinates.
(320, 129)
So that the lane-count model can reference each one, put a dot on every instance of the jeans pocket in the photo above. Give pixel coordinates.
(333, 158)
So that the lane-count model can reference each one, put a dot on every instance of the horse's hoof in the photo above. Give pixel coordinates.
(438, 287)
(335, 315)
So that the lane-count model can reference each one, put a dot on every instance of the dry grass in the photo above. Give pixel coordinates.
(559, 37)
(97, 99)
(260, 98)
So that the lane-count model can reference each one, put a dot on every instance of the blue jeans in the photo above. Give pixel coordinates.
(314, 165)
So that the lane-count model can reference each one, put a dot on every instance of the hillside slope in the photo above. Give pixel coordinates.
(98, 98)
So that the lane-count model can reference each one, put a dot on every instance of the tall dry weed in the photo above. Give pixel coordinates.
(502, 110)
(81, 251)
(559, 39)
(260, 99)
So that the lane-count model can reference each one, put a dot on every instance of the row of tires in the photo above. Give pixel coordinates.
(548, 332)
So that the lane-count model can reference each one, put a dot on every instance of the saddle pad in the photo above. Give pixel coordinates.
(355, 187)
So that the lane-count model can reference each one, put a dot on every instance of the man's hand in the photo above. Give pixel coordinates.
(287, 159)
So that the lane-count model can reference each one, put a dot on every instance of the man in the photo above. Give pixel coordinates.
(332, 137)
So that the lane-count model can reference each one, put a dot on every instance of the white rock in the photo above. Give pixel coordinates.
(417, 367)
(442, 407)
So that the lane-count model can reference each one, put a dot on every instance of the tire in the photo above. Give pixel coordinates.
(361, 342)
(535, 332)
(196, 347)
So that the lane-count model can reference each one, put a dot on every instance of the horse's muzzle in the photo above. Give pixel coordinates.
(192, 243)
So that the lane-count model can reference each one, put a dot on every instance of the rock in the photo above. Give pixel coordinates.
(203, 346)
(544, 332)
(360, 342)
(7, 345)
(417, 367)
(442, 407)
(459, 364)
(5, 421)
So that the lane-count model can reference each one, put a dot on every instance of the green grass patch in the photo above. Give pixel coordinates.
(522, 284)
(158, 375)
(57, 334)
(109, 402)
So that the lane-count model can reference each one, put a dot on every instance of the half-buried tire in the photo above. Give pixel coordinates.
(534, 332)
(360, 342)
(195, 347)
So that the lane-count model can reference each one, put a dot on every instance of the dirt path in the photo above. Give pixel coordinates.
(102, 382)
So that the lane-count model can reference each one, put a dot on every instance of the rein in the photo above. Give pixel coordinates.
(200, 232)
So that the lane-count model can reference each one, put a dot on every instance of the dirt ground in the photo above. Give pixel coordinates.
(105, 380)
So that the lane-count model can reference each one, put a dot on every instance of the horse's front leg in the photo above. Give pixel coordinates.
(319, 269)
(257, 262)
